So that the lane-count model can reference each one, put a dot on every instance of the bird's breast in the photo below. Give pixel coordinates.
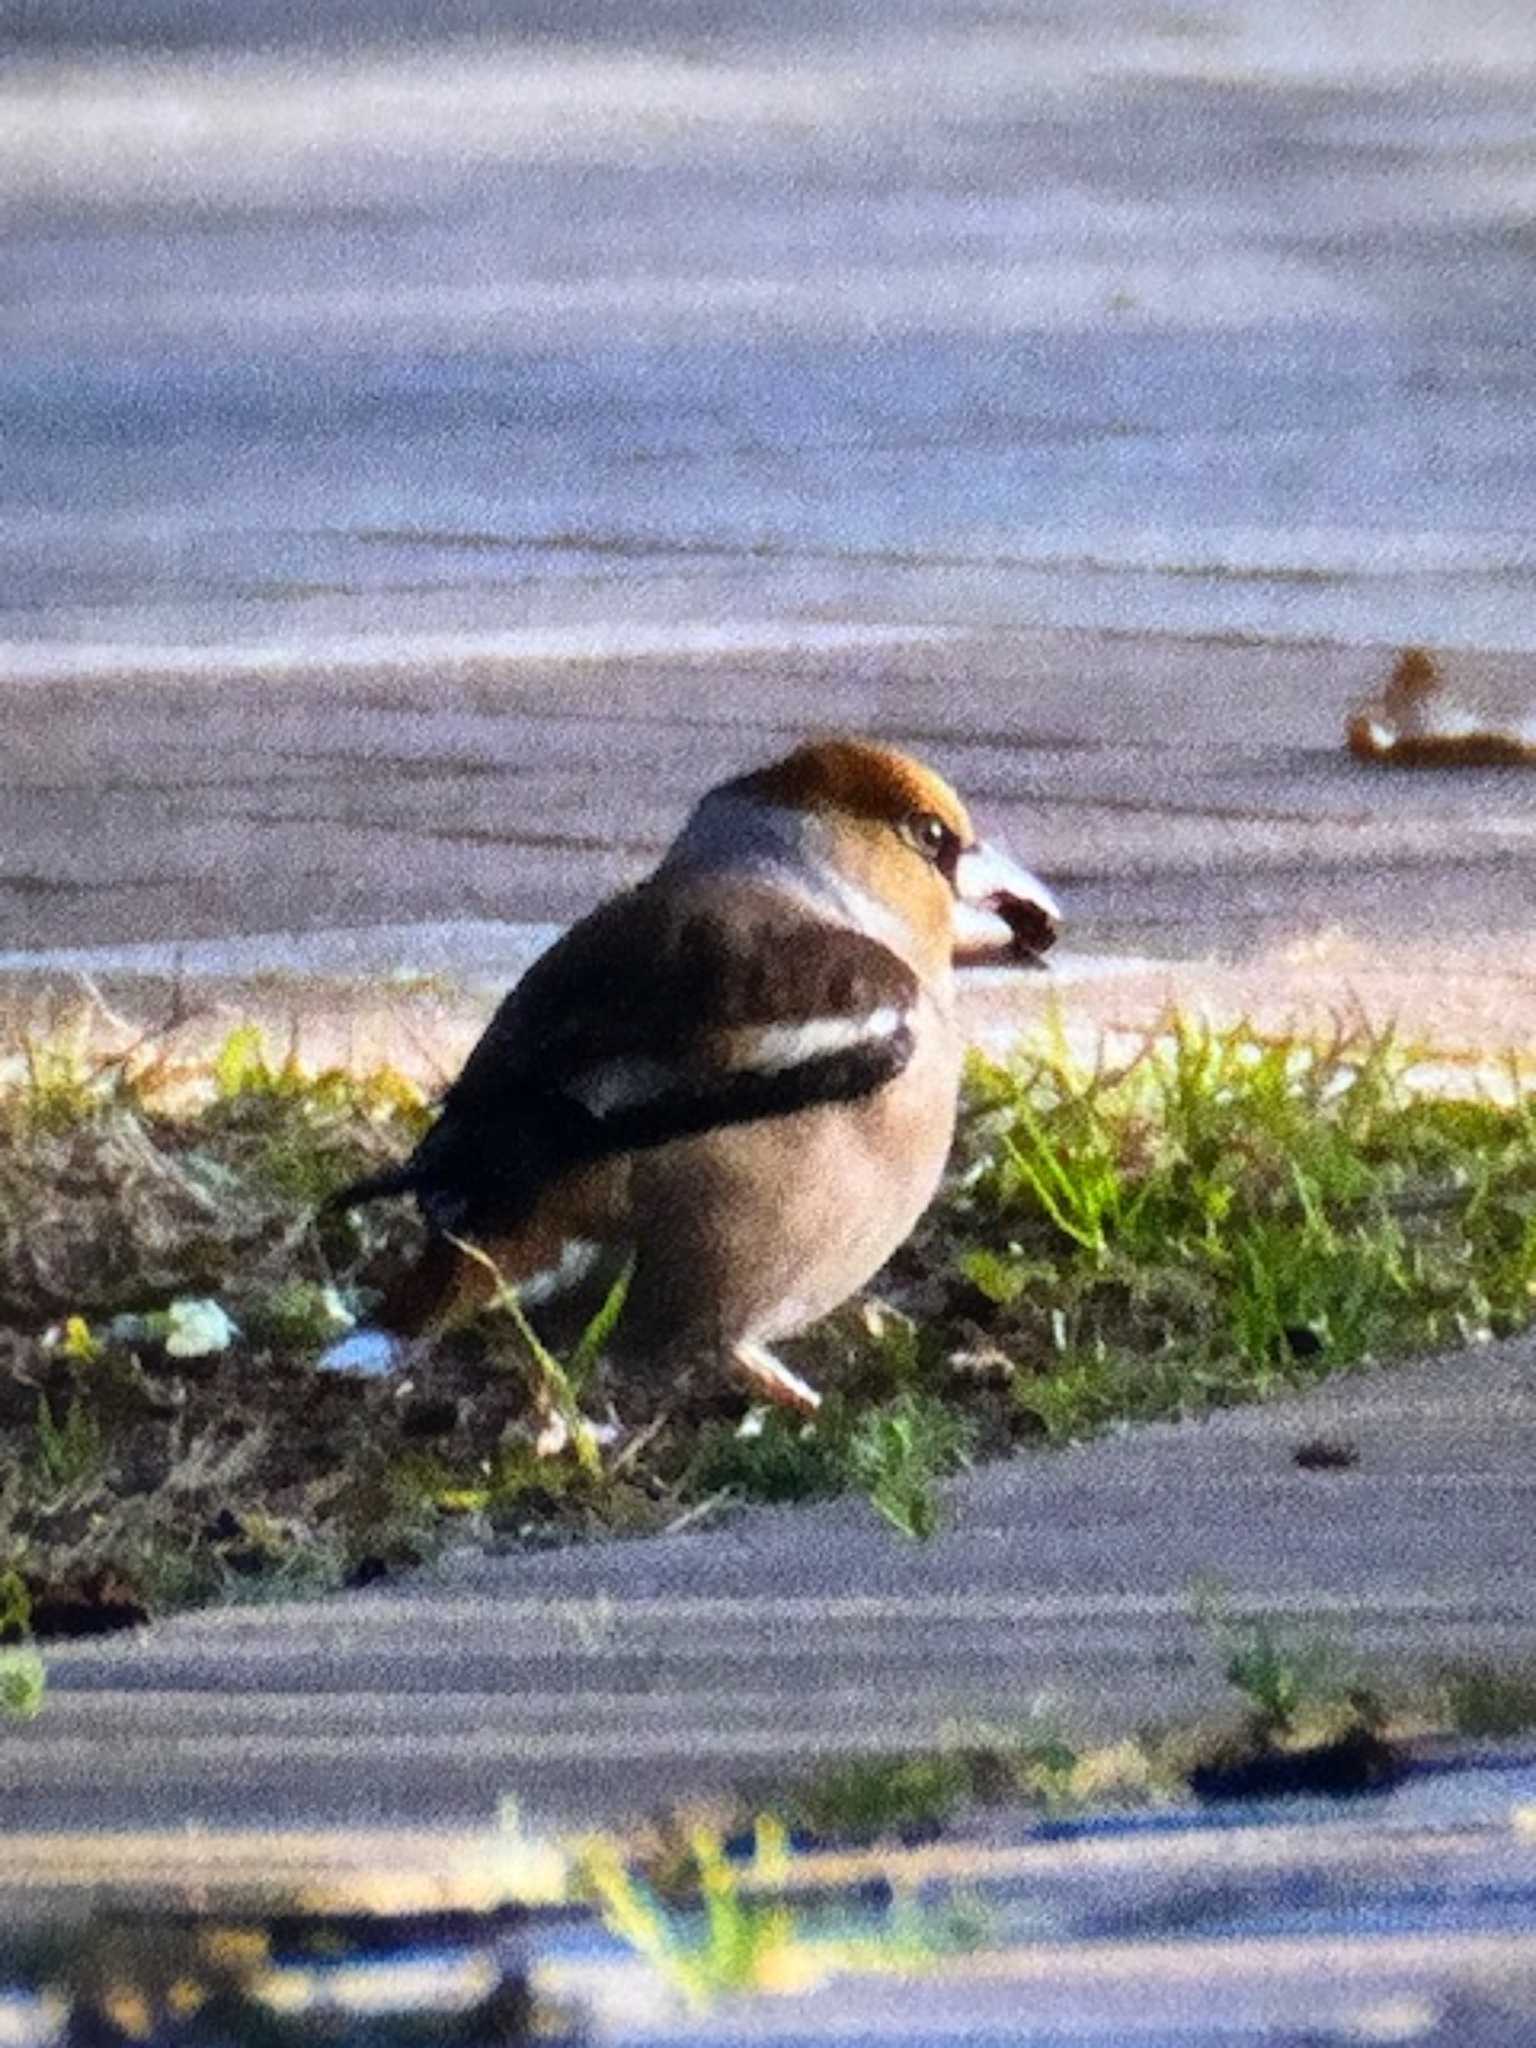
(757, 1231)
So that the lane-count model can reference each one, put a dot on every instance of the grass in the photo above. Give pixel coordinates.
(1223, 1217)
(23, 1681)
(1489, 1700)
(718, 1926)
(741, 1943)
(1307, 1717)
(1214, 1220)
(707, 1901)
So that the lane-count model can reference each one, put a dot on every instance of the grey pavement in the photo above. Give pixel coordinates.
(429, 450)
(376, 325)
(597, 1682)
(428, 454)
(1185, 798)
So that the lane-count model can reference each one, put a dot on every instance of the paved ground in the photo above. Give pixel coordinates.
(434, 451)
(381, 322)
(593, 1682)
(1215, 1930)
(432, 456)
(1177, 362)
(1186, 799)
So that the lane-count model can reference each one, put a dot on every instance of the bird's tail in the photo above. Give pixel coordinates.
(442, 1285)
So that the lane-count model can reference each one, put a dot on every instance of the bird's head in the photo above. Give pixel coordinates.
(887, 833)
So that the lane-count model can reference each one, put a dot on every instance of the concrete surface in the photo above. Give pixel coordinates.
(593, 1682)
(1402, 1918)
(378, 323)
(430, 455)
(1184, 799)
(598, 395)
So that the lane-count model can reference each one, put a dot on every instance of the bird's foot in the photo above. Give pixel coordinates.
(771, 1380)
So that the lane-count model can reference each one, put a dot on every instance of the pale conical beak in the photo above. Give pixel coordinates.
(1004, 916)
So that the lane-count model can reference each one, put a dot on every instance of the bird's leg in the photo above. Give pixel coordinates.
(755, 1366)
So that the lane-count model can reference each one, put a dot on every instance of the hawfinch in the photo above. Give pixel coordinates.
(743, 1072)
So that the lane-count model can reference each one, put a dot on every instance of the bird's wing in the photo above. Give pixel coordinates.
(666, 1013)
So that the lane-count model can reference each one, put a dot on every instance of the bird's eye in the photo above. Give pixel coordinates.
(932, 837)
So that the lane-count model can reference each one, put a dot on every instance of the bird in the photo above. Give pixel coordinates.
(742, 1074)
(1419, 718)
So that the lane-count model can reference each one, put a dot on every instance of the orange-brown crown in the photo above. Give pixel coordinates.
(862, 779)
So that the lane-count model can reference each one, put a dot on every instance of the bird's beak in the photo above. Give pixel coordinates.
(1004, 916)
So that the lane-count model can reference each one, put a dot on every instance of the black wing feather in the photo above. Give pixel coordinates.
(659, 976)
